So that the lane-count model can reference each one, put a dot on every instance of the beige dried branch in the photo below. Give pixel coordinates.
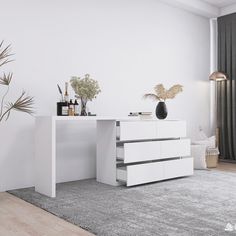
(161, 94)
(160, 91)
(173, 91)
(152, 96)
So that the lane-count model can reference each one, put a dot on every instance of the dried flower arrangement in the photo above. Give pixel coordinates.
(86, 89)
(162, 94)
(23, 103)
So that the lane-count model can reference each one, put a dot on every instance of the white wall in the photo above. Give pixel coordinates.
(128, 46)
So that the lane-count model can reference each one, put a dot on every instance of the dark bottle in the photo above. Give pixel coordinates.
(64, 109)
(76, 108)
(59, 108)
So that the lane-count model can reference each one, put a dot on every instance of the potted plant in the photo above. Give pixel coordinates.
(86, 89)
(23, 103)
(161, 94)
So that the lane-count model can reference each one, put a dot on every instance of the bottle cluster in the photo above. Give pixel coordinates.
(67, 107)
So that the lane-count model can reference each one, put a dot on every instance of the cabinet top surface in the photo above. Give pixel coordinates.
(99, 118)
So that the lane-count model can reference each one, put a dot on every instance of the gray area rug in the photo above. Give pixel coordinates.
(199, 205)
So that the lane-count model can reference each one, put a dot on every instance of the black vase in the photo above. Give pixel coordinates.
(161, 111)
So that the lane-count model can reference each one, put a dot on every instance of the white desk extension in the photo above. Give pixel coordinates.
(45, 149)
(129, 150)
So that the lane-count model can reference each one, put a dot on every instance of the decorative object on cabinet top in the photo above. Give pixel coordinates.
(86, 89)
(66, 107)
(144, 115)
(161, 94)
(24, 103)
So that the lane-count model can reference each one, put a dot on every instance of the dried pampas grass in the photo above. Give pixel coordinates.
(161, 94)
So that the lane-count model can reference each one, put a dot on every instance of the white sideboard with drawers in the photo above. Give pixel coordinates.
(129, 150)
(134, 152)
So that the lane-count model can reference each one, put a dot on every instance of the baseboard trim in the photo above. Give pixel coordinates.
(227, 161)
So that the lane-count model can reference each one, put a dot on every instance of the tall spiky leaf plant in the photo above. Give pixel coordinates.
(23, 103)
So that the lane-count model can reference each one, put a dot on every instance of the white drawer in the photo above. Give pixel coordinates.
(140, 130)
(155, 171)
(142, 151)
(171, 129)
(140, 174)
(153, 150)
(175, 148)
(135, 130)
(178, 168)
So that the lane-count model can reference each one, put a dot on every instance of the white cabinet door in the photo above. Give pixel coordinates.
(142, 173)
(175, 148)
(171, 129)
(140, 151)
(137, 130)
(178, 168)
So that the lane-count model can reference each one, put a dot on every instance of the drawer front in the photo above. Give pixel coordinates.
(171, 129)
(140, 174)
(136, 130)
(178, 168)
(139, 130)
(136, 152)
(175, 148)
(151, 172)
(154, 150)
